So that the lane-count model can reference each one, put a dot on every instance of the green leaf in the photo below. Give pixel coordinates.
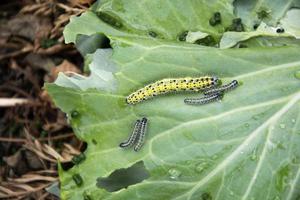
(244, 147)
(92, 25)
(291, 22)
(166, 20)
(268, 11)
(89, 44)
(101, 77)
(54, 189)
(230, 39)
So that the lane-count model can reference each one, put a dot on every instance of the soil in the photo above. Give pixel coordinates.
(34, 134)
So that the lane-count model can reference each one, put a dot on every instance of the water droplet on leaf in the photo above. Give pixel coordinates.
(174, 173)
(188, 162)
(201, 166)
(253, 156)
(282, 126)
(270, 147)
(276, 198)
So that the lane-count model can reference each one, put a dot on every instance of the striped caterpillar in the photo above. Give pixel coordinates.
(172, 85)
(203, 100)
(142, 134)
(224, 88)
(130, 141)
(137, 136)
(212, 94)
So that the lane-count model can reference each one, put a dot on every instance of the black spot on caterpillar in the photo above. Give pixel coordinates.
(204, 100)
(230, 86)
(133, 135)
(172, 85)
(142, 134)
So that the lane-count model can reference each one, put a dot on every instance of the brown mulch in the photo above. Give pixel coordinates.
(34, 134)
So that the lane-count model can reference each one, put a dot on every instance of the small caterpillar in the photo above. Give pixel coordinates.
(133, 135)
(215, 19)
(78, 159)
(172, 85)
(77, 179)
(204, 100)
(142, 134)
(233, 84)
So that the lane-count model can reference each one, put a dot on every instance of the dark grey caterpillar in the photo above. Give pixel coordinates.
(230, 86)
(131, 140)
(142, 134)
(213, 94)
(204, 100)
(137, 136)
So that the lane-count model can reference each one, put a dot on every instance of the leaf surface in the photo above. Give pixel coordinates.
(231, 149)
(168, 20)
(243, 147)
(269, 11)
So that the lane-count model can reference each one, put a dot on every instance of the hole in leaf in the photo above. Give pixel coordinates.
(83, 146)
(69, 165)
(122, 178)
(89, 44)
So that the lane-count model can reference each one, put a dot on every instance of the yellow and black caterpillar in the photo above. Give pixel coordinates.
(172, 85)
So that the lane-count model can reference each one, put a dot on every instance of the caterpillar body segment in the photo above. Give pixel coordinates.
(132, 138)
(172, 85)
(204, 100)
(142, 135)
(230, 86)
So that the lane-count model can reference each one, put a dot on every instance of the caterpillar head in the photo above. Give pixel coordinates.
(216, 81)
